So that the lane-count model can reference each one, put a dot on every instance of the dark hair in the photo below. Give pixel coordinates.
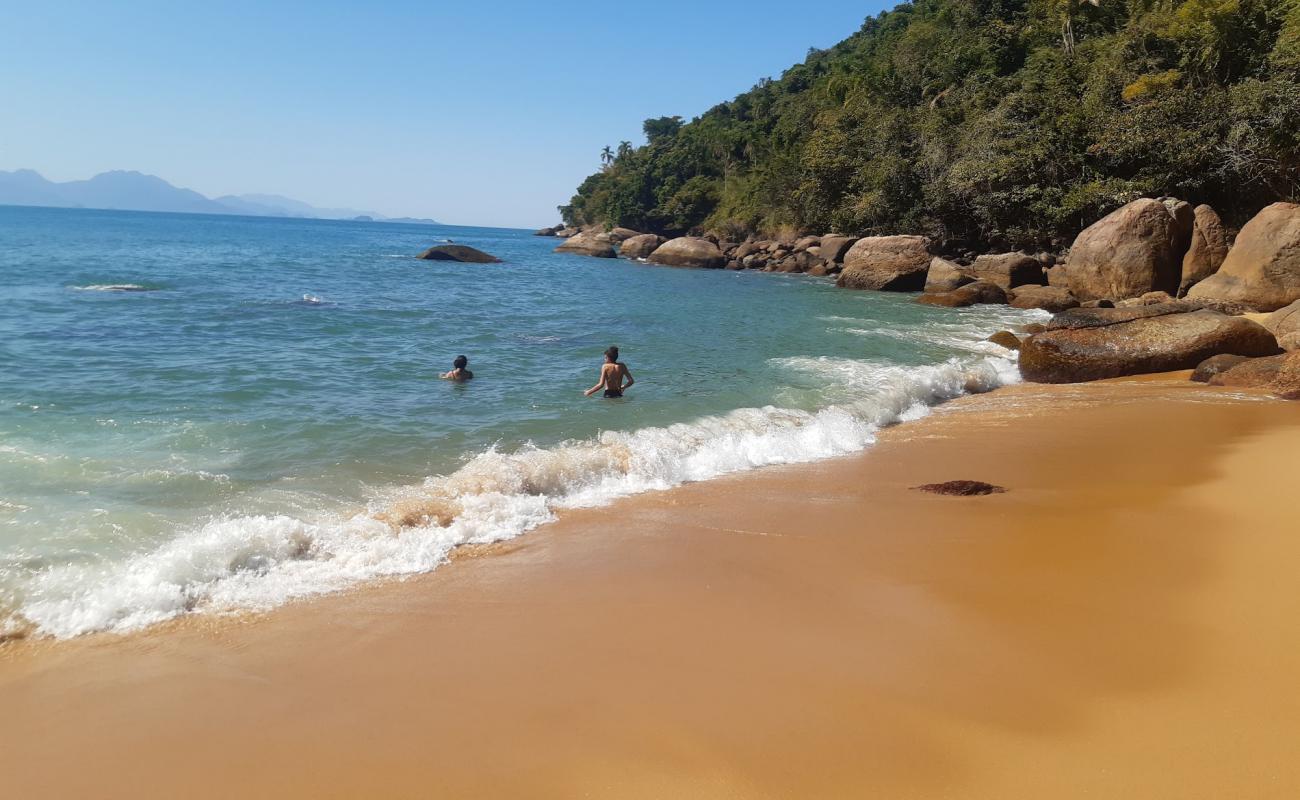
(460, 362)
(612, 354)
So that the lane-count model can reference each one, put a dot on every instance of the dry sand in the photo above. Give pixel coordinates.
(1124, 622)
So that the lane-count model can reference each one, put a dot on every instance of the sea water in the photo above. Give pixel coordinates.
(206, 414)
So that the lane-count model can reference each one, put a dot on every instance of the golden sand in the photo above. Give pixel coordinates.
(1124, 622)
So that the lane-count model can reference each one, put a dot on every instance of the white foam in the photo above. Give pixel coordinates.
(113, 287)
(257, 562)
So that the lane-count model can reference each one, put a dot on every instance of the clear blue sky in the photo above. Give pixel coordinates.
(477, 113)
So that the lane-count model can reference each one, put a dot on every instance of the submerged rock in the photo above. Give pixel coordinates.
(886, 263)
(458, 252)
(1262, 270)
(1085, 349)
(961, 488)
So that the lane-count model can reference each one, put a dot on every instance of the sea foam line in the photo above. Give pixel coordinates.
(239, 563)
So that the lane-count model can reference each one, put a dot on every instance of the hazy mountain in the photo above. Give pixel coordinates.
(135, 191)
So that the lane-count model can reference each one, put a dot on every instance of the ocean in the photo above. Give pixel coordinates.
(208, 414)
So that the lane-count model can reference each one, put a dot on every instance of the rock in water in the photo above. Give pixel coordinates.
(1007, 270)
(1208, 249)
(1157, 342)
(1006, 339)
(944, 276)
(1277, 374)
(688, 251)
(971, 294)
(1048, 298)
(1262, 269)
(1131, 251)
(886, 263)
(640, 246)
(589, 243)
(1214, 365)
(961, 488)
(458, 252)
(1285, 325)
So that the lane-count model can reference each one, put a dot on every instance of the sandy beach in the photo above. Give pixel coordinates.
(1121, 623)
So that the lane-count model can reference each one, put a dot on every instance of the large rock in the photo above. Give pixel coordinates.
(835, 247)
(887, 263)
(589, 243)
(1007, 270)
(1285, 325)
(1262, 269)
(969, 295)
(944, 276)
(549, 231)
(1215, 364)
(619, 235)
(1207, 251)
(458, 252)
(1048, 298)
(1131, 251)
(1277, 374)
(688, 251)
(1101, 316)
(640, 246)
(1154, 343)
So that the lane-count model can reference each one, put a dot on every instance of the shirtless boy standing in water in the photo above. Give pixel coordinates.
(459, 371)
(612, 376)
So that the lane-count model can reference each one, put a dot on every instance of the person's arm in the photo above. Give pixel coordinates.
(598, 386)
(627, 373)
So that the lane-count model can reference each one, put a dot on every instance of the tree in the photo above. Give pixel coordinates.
(606, 156)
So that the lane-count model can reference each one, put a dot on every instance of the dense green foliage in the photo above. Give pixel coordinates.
(996, 122)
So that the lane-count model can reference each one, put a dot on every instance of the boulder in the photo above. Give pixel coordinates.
(805, 242)
(618, 235)
(834, 247)
(688, 251)
(1033, 327)
(1142, 344)
(1277, 374)
(1056, 276)
(1048, 298)
(1006, 339)
(589, 243)
(458, 252)
(969, 295)
(548, 231)
(747, 249)
(1133, 250)
(886, 263)
(1214, 365)
(1097, 304)
(1007, 270)
(944, 276)
(733, 264)
(1285, 325)
(565, 233)
(640, 246)
(819, 270)
(1102, 316)
(1207, 251)
(1262, 269)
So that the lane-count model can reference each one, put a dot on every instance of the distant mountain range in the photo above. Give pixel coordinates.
(135, 191)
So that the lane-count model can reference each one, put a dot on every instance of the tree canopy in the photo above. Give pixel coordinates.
(991, 122)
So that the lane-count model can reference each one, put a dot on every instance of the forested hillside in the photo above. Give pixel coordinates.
(984, 122)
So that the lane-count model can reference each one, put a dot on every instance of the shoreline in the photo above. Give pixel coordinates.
(816, 630)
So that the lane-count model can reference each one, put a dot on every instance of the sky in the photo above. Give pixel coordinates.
(473, 113)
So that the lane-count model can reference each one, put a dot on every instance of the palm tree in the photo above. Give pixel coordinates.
(607, 156)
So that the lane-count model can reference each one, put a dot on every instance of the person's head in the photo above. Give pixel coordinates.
(461, 362)
(611, 355)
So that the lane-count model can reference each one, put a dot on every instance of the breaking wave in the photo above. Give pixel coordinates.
(237, 563)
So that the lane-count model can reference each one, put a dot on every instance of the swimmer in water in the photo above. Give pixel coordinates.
(614, 376)
(458, 372)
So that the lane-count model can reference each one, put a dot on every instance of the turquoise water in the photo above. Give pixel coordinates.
(259, 417)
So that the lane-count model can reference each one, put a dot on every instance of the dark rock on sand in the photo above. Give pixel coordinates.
(1048, 298)
(969, 295)
(1262, 269)
(688, 251)
(1214, 365)
(640, 246)
(886, 263)
(1277, 374)
(1138, 345)
(1006, 339)
(1133, 250)
(458, 252)
(961, 488)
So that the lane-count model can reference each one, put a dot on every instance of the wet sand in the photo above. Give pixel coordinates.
(1124, 622)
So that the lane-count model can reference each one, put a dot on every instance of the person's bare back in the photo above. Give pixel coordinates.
(615, 377)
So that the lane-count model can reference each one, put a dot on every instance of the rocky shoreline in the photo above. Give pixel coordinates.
(1153, 286)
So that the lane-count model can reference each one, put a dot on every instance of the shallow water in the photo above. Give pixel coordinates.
(206, 413)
